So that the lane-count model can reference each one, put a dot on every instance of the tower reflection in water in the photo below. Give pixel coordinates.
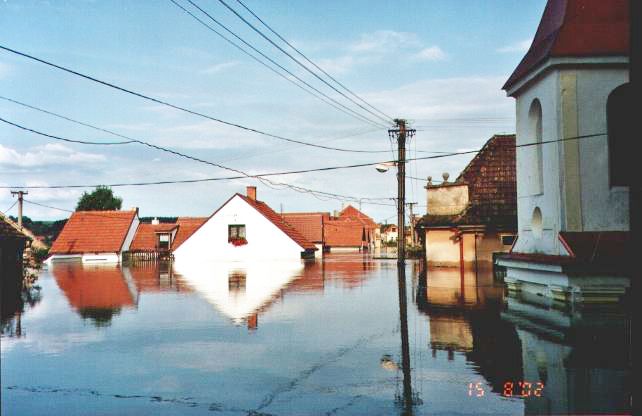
(581, 356)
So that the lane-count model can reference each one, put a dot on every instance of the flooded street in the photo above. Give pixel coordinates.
(313, 337)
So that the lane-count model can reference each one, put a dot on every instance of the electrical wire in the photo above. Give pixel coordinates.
(174, 106)
(263, 175)
(311, 62)
(328, 100)
(384, 119)
(9, 209)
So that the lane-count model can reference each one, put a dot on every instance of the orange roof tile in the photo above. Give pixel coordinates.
(276, 219)
(94, 232)
(352, 212)
(345, 232)
(145, 238)
(309, 224)
(186, 227)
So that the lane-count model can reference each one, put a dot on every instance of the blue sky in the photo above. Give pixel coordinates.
(440, 64)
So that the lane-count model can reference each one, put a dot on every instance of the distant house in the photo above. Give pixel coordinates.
(159, 240)
(389, 233)
(95, 237)
(476, 215)
(311, 225)
(242, 229)
(350, 230)
(574, 103)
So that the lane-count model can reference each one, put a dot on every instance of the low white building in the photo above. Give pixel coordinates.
(571, 92)
(95, 237)
(243, 229)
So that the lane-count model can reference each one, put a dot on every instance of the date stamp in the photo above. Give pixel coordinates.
(520, 388)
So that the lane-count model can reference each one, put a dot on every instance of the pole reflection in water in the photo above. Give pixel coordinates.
(407, 399)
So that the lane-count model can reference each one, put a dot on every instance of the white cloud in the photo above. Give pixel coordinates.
(213, 69)
(385, 41)
(49, 154)
(521, 46)
(433, 53)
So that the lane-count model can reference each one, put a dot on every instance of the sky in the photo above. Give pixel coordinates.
(438, 64)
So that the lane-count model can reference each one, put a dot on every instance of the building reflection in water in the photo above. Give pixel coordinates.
(100, 292)
(17, 294)
(580, 356)
(243, 291)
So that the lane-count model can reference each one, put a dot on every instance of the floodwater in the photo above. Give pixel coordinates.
(315, 337)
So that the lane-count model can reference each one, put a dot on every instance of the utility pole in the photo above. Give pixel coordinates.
(412, 223)
(400, 135)
(20, 194)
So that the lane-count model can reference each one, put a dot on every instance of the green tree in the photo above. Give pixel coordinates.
(101, 199)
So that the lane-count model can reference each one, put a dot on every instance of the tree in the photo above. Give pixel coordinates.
(101, 199)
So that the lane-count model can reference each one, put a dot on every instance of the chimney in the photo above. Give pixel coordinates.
(155, 221)
(251, 192)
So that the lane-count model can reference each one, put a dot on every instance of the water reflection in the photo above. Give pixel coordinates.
(463, 309)
(98, 293)
(582, 356)
(323, 335)
(17, 295)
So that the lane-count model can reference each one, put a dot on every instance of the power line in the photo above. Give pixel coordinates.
(174, 106)
(263, 175)
(384, 119)
(9, 209)
(311, 62)
(337, 105)
(130, 139)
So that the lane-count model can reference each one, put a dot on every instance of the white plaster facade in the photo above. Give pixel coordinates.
(570, 185)
(265, 241)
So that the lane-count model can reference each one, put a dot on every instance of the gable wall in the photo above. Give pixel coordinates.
(265, 240)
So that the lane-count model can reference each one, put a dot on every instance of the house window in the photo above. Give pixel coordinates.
(163, 241)
(619, 120)
(508, 240)
(235, 233)
(534, 135)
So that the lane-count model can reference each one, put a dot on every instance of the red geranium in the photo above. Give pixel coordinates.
(238, 241)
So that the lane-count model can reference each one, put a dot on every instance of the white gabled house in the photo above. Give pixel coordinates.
(243, 229)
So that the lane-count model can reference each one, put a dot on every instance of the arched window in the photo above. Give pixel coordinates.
(535, 136)
(619, 121)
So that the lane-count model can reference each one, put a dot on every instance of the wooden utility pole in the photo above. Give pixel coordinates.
(20, 194)
(400, 134)
(412, 223)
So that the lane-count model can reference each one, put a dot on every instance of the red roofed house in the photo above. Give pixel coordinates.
(476, 215)
(573, 94)
(311, 225)
(351, 230)
(159, 240)
(244, 228)
(95, 236)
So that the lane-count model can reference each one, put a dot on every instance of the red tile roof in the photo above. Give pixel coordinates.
(145, 238)
(352, 212)
(492, 188)
(309, 224)
(186, 227)
(346, 232)
(594, 250)
(94, 232)
(577, 28)
(276, 219)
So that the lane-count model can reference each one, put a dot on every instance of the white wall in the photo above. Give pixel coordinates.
(265, 240)
(130, 234)
(602, 208)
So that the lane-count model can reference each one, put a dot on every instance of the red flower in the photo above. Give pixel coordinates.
(238, 241)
